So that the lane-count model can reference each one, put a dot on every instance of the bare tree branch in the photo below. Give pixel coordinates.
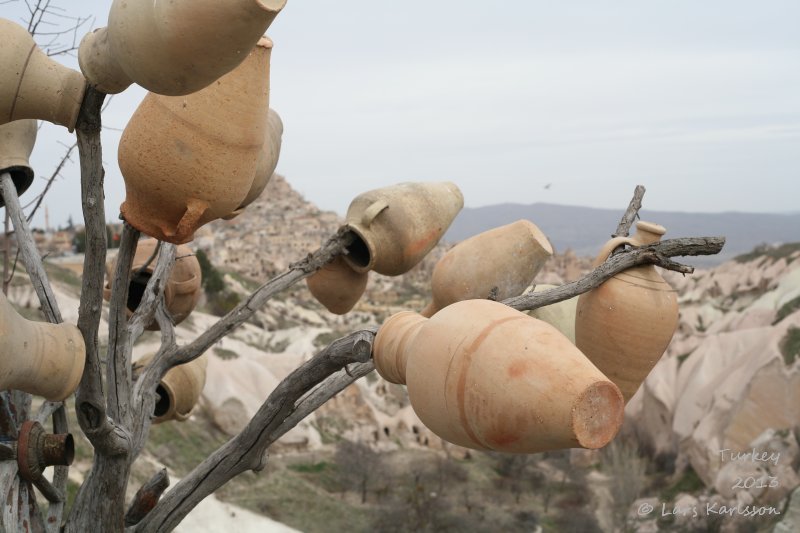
(631, 214)
(147, 497)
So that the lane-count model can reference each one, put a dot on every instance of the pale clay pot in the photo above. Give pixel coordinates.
(560, 315)
(16, 144)
(504, 259)
(183, 289)
(173, 47)
(485, 376)
(179, 390)
(625, 325)
(337, 286)
(396, 226)
(188, 160)
(266, 163)
(33, 86)
(37, 357)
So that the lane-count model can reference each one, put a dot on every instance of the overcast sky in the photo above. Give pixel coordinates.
(698, 101)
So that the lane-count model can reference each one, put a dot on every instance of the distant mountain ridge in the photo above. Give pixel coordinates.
(584, 229)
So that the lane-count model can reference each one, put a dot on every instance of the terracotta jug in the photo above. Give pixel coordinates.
(265, 164)
(337, 286)
(189, 160)
(173, 47)
(502, 261)
(397, 226)
(32, 84)
(183, 287)
(179, 390)
(16, 144)
(560, 315)
(625, 324)
(485, 376)
(37, 357)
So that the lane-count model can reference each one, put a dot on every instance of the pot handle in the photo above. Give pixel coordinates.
(195, 208)
(186, 286)
(373, 211)
(608, 247)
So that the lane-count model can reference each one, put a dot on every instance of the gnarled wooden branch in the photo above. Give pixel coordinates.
(147, 497)
(246, 450)
(631, 214)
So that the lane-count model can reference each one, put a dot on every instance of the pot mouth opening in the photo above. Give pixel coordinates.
(69, 450)
(359, 254)
(136, 289)
(22, 176)
(164, 402)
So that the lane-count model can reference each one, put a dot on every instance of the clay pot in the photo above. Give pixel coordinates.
(183, 286)
(625, 324)
(173, 48)
(500, 262)
(16, 144)
(33, 85)
(560, 315)
(37, 357)
(484, 376)
(179, 390)
(395, 227)
(337, 286)
(265, 164)
(189, 160)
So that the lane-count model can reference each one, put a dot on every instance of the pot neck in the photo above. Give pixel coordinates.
(391, 348)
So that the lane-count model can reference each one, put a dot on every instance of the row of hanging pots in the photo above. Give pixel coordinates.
(484, 376)
(183, 287)
(188, 160)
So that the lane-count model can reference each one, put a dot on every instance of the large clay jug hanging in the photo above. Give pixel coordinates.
(265, 164)
(560, 315)
(625, 325)
(188, 160)
(485, 376)
(183, 286)
(337, 286)
(174, 47)
(39, 358)
(179, 390)
(395, 227)
(34, 86)
(16, 144)
(499, 263)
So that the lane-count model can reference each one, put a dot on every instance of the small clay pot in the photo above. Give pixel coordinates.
(484, 376)
(625, 325)
(337, 286)
(499, 263)
(37, 357)
(395, 227)
(560, 315)
(183, 289)
(34, 86)
(16, 144)
(179, 390)
(173, 48)
(265, 164)
(189, 160)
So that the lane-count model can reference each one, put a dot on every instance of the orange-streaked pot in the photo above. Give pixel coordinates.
(34, 86)
(37, 357)
(487, 377)
(16, 144)
(173, 47)
(500, 262)
(183, 288)
(188, 160)
(397, 226)
(625, 325)
(337, 286)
